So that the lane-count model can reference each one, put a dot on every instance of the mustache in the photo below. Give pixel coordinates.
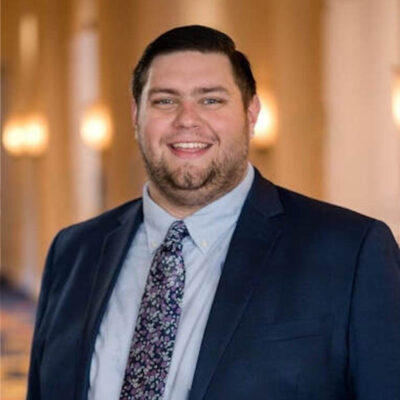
(192, 135)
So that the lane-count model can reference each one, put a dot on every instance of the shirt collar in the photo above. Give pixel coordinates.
(222, 214)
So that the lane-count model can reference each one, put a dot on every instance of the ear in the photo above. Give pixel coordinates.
(253, 109)
(134, 116)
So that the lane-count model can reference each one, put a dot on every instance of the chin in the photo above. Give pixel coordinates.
(190, 177)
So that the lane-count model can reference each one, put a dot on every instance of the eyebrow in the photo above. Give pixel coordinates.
(163, 90)
(200, 90)
(205, 90)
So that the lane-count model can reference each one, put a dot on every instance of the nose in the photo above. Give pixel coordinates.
(187, 116)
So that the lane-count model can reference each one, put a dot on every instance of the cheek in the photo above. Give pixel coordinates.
(154, 131)
(219, 123)
(231, 129)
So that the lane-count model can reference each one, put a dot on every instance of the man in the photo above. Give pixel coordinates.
(217, 284)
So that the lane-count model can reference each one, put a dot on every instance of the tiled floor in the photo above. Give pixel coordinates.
(17, 316)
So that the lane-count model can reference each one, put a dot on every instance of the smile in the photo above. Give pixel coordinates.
(190, 146)
(189, 150)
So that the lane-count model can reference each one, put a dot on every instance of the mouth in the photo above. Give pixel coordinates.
(189, 149)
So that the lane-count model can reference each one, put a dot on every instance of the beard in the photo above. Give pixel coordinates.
(190, 185)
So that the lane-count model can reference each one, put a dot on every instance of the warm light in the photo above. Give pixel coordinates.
(265, 129)
(26, 136)
(96, 128)
(396, 97)
(36, 136)
(13, 137)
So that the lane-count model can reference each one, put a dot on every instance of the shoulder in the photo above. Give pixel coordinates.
(309, 218)
(330, 223)
(302, 207)
(96, 227)
(265, 195)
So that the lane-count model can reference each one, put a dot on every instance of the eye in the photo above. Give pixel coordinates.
(212, 101)
(164, 102)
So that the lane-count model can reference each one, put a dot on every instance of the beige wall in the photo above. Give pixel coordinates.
(362, 147)
(35, 201)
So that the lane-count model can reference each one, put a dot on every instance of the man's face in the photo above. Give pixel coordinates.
(193, 129)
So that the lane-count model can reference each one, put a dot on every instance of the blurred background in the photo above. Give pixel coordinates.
(328, 74)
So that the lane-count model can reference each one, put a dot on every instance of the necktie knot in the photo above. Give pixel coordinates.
(176, 232)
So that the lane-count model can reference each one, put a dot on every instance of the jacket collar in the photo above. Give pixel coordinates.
(253, 241)
(118, 236)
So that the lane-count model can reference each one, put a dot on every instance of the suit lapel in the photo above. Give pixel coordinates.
(113, 252)
(250, 247)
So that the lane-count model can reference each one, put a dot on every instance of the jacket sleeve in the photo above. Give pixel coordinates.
(374, 328)
(38, 336)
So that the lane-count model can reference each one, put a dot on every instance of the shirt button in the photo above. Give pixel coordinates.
(153, 245)
(204, 243)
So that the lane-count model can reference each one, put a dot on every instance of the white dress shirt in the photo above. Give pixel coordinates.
(204, 252)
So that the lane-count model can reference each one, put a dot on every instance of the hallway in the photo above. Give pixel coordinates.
(17, 316)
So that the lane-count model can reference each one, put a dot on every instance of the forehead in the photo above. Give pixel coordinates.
(191, 68)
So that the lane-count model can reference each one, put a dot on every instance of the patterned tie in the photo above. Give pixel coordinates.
(153, 341)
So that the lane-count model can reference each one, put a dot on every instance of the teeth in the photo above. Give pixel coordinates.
(190, 145)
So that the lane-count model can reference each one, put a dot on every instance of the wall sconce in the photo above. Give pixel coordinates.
(396, 96)
(95, 127)
(265, 130)
(26, 136)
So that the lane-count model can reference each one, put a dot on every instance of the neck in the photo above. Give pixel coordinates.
(177, 211)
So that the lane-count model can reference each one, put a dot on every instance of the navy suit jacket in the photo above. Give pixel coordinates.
(307, 307)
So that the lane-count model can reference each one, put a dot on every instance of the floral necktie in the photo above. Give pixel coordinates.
(157, 323)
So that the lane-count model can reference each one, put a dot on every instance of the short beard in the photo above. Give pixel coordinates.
(189, 187)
